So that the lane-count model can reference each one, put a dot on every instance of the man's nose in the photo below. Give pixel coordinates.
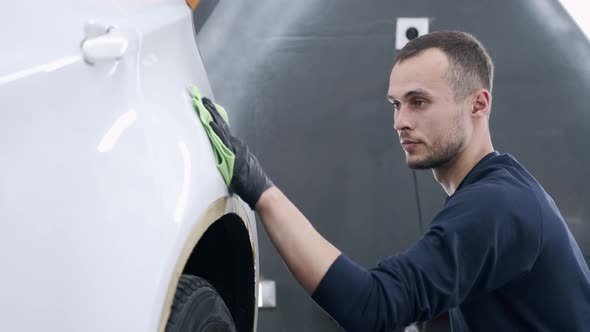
(401, 120)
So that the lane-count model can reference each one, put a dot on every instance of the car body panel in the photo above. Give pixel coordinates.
(106, 169)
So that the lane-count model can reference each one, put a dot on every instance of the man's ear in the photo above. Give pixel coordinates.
(482, 103)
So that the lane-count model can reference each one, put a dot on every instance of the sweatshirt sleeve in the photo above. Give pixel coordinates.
(481, 240)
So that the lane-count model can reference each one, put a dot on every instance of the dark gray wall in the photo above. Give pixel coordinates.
(305, 83)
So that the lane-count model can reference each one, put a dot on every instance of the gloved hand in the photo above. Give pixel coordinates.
(249, 180)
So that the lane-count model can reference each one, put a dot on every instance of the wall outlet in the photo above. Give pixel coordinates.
(409, 28)
(267, 294)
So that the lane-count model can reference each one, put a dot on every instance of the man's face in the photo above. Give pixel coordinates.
(431, 125)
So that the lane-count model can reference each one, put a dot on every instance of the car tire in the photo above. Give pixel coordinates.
(197, 307)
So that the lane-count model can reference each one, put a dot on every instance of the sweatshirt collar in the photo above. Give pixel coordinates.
(467, 179)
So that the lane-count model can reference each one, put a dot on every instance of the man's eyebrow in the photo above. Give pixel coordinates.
(417, 93)
(392, 99)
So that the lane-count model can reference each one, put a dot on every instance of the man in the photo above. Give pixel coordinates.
(498, 257)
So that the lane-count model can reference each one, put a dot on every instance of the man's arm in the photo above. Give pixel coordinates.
(307, 254)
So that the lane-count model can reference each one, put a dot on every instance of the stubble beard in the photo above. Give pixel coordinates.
(444, 152)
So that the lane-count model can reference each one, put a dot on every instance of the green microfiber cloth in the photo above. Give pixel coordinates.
(224, 157)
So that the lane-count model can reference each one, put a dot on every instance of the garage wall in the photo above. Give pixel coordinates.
(305, 83)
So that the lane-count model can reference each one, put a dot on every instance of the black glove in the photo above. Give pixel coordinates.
(249, 180)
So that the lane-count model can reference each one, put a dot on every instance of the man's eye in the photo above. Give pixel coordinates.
(419, 103)
(396, 106)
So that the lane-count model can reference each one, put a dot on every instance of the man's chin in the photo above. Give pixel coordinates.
(416, 163)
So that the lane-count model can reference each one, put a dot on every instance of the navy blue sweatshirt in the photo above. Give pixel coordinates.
(498, 257)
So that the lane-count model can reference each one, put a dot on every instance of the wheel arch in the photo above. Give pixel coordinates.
(222, 248)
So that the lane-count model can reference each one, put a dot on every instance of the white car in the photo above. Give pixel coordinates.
(109, 193)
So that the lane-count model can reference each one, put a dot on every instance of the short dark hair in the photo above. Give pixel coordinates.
(470, 65)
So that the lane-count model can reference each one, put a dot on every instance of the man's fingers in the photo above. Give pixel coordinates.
(213, 111)
(223, 134)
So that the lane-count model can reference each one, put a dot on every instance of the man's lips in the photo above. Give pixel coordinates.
(409, 145)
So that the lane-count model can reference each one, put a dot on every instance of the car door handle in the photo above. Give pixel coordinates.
(108, 47)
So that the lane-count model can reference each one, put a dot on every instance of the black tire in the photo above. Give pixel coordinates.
(197, 307)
